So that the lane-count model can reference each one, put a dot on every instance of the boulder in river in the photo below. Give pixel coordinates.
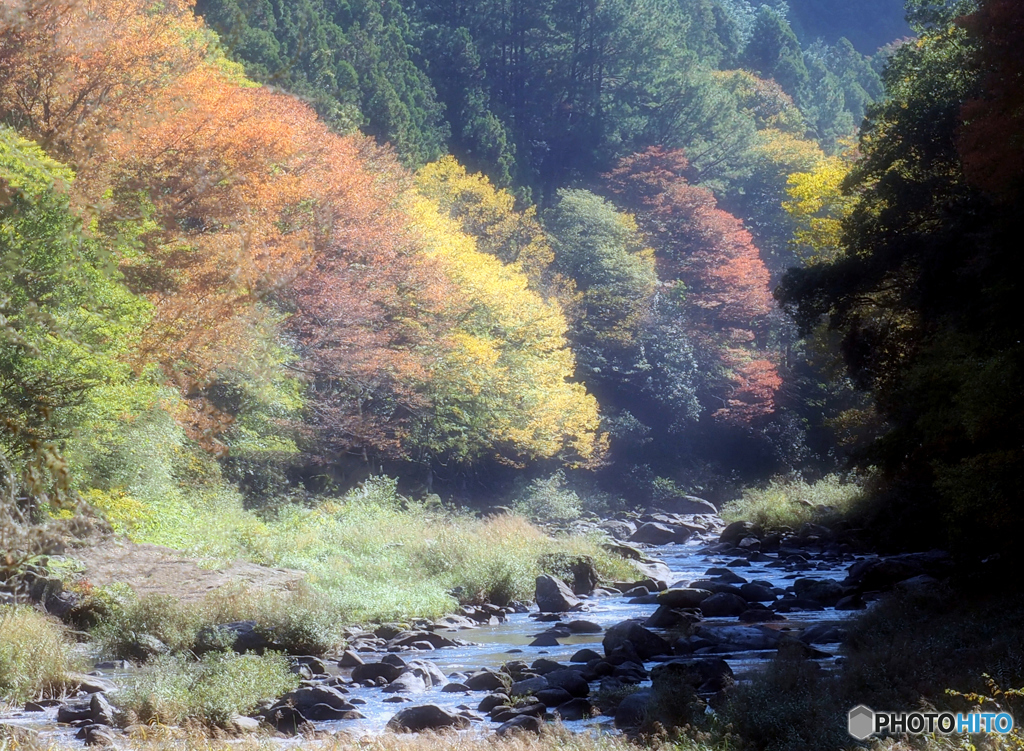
(723, 604)
(825, 591)
(488, 680)
(425, 717)
(632, 711)
(373, 670)
(645, 643)
(553, 596)
(521, 724)
(683, 598)
(736, 531)
(654, 533)
(570, 680)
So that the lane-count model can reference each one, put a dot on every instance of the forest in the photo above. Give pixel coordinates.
(415, 297)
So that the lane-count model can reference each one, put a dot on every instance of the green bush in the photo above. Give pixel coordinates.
(172, 690)
(915, 647)
(130, 619)
(370, 556)
(791, 706)
(302, 622)
(790, 503)
(549, 501)
(36, 655)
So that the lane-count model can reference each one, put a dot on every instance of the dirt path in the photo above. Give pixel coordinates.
(156, 570)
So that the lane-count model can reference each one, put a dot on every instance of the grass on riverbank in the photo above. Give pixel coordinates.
(36, 657)
(788, 504)
(212, 690)
(373, 555)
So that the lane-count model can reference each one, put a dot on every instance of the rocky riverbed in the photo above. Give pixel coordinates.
(714, 602)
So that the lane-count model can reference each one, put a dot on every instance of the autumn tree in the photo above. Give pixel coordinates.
(491, 217)
(499, 383)
(708, 256)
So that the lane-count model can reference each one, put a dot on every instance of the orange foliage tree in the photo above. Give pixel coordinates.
(225, 199)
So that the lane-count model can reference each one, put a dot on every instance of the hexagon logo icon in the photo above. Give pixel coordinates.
(861, 722)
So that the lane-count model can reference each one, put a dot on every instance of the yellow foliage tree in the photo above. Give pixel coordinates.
(500, 381)
(818, 207)
(490, 216)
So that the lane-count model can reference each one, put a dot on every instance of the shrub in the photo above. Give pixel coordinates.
(303, 622)
(912, 647)
(172, 690)
(131, 619)
(36, 655)
(791, 706)
(790, 503)
(549, 501)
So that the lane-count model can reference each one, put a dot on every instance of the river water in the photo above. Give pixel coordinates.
(494, 645)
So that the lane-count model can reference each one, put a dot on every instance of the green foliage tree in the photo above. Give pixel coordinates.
(352, 60)
(923, 295)
(774, 52)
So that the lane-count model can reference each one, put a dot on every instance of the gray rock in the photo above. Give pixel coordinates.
(409, 682)
(553, 596)
(543, 666)
(553, 697)
(243, 725)
(645, 643)
(618, 530)
(683, 598)
(491, 701)
(374, 670)
(741, 638)
(529, 686)
(520, 724)
(632, 711)
(752, 592)
(655, 533)
(825, 591)
(736, 531)
(100, 710)
(571, 680)
(425, 717)
(324, 712)
(350, 659)
(91, 684)
(309, 696)
(723, 604)
(145, 646)
(488, 680)
(851, 602)
(584, 627)
(287, 720)
(96, 735)
(68, 714)
(585, 655)
(431, 673)
(575, 709)
(687, 504)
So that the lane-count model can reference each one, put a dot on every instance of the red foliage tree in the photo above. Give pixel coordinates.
(707, 249)
(992, 139)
